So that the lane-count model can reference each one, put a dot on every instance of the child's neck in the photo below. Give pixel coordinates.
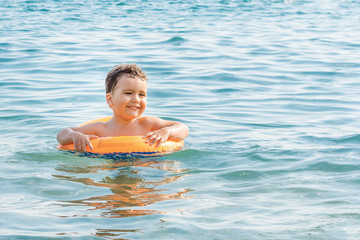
(123, 122)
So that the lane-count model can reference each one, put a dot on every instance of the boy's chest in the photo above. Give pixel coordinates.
(131, 130)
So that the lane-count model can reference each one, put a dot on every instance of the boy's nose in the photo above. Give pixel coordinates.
(136, 98)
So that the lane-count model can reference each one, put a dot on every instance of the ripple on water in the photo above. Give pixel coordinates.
(269, 90)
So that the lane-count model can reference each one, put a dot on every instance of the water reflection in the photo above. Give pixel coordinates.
(133, 184)
(111, 233)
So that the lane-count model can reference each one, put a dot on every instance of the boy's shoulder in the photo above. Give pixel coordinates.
(97, 125)
(95, 128)
(148, 117)
(150, 121)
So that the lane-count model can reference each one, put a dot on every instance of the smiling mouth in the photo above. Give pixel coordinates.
(134, 107)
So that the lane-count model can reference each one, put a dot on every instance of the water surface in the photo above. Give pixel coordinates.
(269, 90)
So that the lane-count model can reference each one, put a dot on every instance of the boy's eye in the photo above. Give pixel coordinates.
(128, 93)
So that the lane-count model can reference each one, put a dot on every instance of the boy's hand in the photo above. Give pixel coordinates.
(81, 141)
(157, 137)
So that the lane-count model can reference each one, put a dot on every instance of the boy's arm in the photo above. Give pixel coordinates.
(164, 130)
(76, 136)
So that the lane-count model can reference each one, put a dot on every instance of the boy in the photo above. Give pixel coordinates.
(126, 95)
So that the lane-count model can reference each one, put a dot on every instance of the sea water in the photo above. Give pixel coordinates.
(269, 89)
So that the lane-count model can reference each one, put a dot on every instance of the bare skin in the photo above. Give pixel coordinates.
(128, 101)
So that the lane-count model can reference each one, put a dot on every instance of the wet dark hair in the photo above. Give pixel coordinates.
(118, 71)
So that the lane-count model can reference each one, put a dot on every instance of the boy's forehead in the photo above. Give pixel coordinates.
(128, 75)
(127, 81)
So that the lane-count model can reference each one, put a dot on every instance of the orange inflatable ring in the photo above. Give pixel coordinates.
(124, 146)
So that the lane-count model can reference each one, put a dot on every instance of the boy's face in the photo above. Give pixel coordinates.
(129, 97)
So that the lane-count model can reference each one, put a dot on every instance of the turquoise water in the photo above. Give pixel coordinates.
(269, 90)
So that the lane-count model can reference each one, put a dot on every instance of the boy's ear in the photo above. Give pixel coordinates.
(109, 99)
